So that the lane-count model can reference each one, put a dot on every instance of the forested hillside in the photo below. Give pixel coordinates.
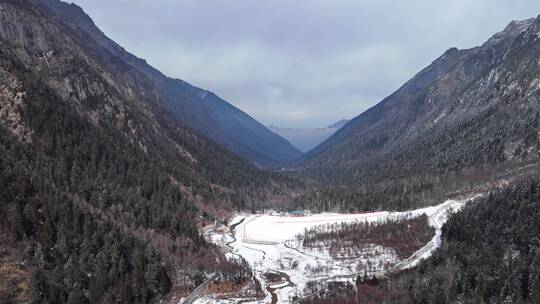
(111, 174)
(101, 185)
(446, 129)
(490, 254)
(201, 110)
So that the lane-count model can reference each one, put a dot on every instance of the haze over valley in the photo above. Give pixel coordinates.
(307, 139)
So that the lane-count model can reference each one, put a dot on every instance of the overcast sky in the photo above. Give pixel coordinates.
(300, 63)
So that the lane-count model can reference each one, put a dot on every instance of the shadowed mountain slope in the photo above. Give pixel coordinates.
(467, 113)
(199, 109)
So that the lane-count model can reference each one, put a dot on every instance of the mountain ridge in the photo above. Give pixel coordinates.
(425, 78)
(200, 109)
(468, 111)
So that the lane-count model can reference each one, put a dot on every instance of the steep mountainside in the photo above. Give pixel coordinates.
(201, 110)
(101, 184)
(470, 109)
(307, 139)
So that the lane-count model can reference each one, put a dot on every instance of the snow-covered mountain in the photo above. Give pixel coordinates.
(307, 139)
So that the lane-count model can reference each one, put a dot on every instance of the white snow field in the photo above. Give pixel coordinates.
(268, 244)
(275, 229)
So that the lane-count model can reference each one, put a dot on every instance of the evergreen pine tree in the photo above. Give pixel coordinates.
(76, 295)
(534, 279)
(35, 287)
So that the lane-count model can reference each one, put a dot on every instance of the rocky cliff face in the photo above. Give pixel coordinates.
(467, 109)
(199, 109)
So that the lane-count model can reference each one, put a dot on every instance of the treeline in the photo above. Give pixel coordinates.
(404, 189)
(405, 236)
(490, 254)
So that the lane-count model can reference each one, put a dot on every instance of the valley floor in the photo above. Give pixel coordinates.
(271, 245)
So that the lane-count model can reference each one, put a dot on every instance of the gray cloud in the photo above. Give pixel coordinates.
(301, 63)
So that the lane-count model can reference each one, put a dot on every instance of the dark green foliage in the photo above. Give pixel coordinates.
(490, 254)
(77, 259)
(79, 194)
(35, 282)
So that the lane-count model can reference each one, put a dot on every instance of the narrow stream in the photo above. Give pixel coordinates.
(268, 286)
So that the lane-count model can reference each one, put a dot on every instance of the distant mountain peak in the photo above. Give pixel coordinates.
(307, 139)
(513, 29)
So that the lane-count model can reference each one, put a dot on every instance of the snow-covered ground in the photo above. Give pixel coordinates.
(268, 244)
(277, 229)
